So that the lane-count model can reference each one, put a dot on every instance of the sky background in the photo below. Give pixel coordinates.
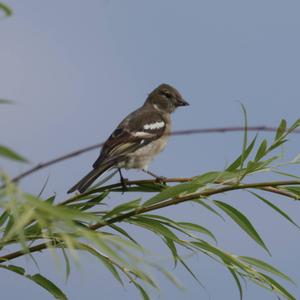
(76, 68)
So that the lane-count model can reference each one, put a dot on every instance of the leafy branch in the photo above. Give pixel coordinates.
(83, 223)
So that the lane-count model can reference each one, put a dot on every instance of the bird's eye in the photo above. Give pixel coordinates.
(166, 94)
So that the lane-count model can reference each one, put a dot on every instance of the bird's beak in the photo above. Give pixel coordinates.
(182, 102)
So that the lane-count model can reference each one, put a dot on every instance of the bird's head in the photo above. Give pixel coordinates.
(165, 98)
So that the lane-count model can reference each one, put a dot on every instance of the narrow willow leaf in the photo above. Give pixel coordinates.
(64, 213)
(8, 226)
(187, 187)
(212, 210)
(34, 229)
(276, 208)
(237, 163)
(287, 174)
(38, 279)
(4, 217)
(145, 278)
(94, 201)
(242, 221)
(105, 260)
(236, 280)
(5, 101)
(293, 188)
(184, 227)
(296, 160)
(125, 207)
(294, 126)
(67, 263)
(141, 289)
(191, 272)
(48, 285)
(123, 232)
(171, 245)
(265, 267)
(277, 287)
(245, 139)
(197, 228)
(168, 275)
(170, 192)
(276, 144)
(253, 166)
(281, 129)
(12, 155)
(209, 177)
(6, 10)
(51, 199)
(153, 225)
(261, 152)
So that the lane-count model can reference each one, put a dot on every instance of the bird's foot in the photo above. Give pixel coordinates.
(124, 184)
(161, 179)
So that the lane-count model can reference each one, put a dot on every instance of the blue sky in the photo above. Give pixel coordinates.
(76, 68)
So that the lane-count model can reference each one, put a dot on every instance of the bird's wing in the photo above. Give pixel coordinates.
(134, 132)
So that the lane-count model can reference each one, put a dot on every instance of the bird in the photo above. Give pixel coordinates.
(138, 138)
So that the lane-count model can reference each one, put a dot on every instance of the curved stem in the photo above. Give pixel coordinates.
(267, 186)
(40, 166)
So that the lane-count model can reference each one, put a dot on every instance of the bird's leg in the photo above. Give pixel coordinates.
(123, 181)
(159, 179)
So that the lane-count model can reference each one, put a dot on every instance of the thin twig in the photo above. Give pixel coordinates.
(179, 132)
(267, 186)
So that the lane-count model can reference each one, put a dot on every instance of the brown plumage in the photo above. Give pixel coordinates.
(138, 138)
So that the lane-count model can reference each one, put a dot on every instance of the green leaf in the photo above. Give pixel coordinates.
(209, 177)
(64, 213)
(187, 187)
(142, 290)
(265, 267)
(191, 272)
(242, 221)
(197, 228)
(245, 139)
(238, 162)
(3, 218)
(281, 129)
(168, 275)
(170, 192)
(125, 207)
(67, 262)
(277, 287)
(105, 260)
(10, 154)
(296, 160)
(276, 208)
(172, 247)
(212, 210)
(293, 127)
(153, 225)
(294, 189)
(237, 281)
(261, 152)
(38, 279)
(94, 201)
(6, 10)
(48, 285)
(5, 101)
(123, 232)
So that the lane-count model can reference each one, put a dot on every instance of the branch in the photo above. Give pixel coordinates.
(267, 186)
(179, 132)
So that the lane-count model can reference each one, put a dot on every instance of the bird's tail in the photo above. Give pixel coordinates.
(88, 180)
